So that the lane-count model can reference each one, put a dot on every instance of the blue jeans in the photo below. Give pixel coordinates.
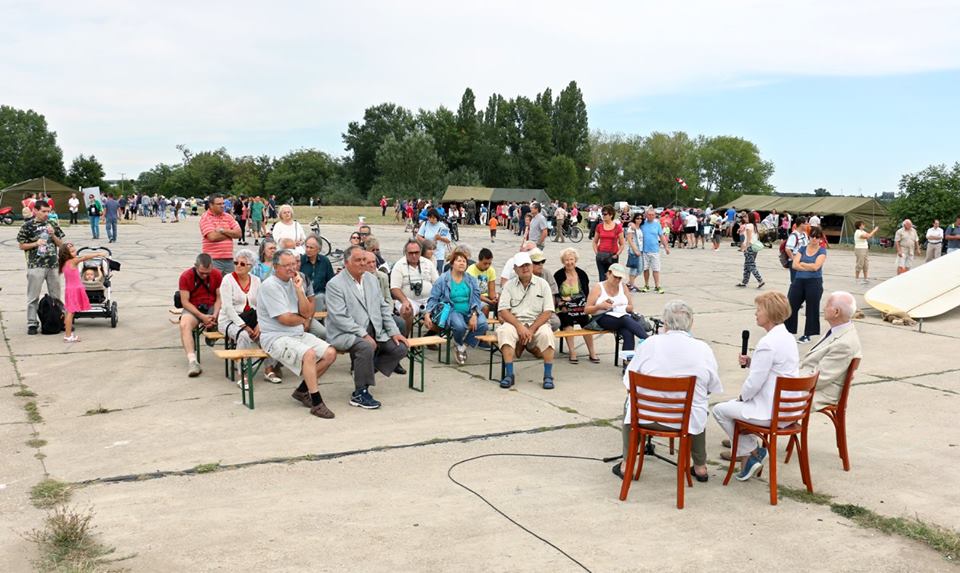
(457, 323)
(95, 226)
(111, 229)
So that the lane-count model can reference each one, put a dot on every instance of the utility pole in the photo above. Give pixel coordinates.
(122, 174)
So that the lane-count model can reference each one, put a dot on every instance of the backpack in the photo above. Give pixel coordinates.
(50, 312)
(786, 260)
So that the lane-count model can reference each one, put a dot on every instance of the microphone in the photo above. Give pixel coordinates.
(745, 338)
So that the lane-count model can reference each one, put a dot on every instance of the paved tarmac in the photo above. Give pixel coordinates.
(369, 490)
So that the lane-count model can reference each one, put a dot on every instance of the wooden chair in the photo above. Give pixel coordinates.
(674, 410)
(838, 415)
(792, 410)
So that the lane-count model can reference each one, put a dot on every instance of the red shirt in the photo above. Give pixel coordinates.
(201, 292)
(208, 224)
(609, 240)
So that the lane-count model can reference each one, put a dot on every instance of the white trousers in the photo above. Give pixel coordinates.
(726, 414)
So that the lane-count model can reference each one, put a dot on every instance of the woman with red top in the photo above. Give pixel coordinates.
(238, 296)
(607, 241)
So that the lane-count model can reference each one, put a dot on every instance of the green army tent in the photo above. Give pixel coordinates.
(837, 214)
(14, 194)
(458, 194)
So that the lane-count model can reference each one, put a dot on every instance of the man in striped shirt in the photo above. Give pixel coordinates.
(219, 229)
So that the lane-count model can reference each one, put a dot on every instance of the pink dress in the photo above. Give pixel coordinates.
(74, 295)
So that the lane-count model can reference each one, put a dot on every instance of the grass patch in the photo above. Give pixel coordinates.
(33, 412)
(36, 443)
(49, 493)
(804, 496)
(568, 409)
(66, 543)
(940, 539)
(98, 410)
(25, 393)
(207, 468)
(344, 215)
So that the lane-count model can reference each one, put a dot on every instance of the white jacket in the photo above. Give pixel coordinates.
(233, 300)
(776, 355)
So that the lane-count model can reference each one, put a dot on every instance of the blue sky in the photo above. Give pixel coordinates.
(844, 95)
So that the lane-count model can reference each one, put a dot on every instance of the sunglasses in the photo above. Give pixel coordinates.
(539, 262)
(241, 264)
(413, 253)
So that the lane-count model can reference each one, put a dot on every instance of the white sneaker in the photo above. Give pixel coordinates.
(194, 369)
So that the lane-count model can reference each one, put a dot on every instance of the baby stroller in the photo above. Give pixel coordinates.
(95, 276)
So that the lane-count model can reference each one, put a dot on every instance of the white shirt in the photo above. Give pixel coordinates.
(507, 273)
(74, 204)
(690, 221)
(293, 230)
(776, 355)
(935, 235)
(233, 300)
(403, 276)
(676, 353)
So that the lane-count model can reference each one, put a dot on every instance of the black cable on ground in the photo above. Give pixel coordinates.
(507, 517)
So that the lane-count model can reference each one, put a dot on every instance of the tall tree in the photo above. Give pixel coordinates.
(496, 162)
(363, 140)
(468, 132)
(408, 167)
(730, 167)
(441, 125)
(662, 158)
(209, 172)
(300, 175)
(571, 131)
(28, 149)
(250, 175)
(535, 143)
(85, 172)
(562, 179)
(933, 193)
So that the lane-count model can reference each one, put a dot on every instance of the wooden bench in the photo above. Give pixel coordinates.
(250, 361)
(320, 315)
(561, 335)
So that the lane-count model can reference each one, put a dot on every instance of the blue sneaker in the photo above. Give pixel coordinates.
(548, 382)
(507, 381)
(754, 465)
(363, 399)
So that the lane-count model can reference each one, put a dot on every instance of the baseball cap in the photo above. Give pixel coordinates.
(618, 270)
(521, 259)
(536, 256)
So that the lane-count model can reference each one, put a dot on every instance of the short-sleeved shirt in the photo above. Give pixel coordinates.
(208, 224)
(483, 277)
(934, 235)
(805, 258)
(548, 276)
(860, 239)
(201, 292)
(276, 297)
(651, 231)
(403, 276)
(537, 225)
(526, 303)
(906, 239)
(953, 231)
(431, 231)
(111, 208)
(318, 274)
(609, 240)
(460, 295)
(43, 256)
(256, 211)
(731, 213)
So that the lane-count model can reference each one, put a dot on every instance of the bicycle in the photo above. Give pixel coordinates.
(572, 232)
(325, 246)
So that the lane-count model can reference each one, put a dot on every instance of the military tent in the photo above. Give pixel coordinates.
(457, 194)
(14, 194)
(837, 214)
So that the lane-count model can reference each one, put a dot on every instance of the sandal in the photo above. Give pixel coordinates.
(71, 338)
(272, 377)
(595, 359)
(574, 360)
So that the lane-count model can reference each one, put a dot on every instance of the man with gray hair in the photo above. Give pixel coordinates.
(832, 354)
(283, 311)
(907, 244)
(676, 352)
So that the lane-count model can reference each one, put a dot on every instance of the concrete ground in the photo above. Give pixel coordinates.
(370, 491)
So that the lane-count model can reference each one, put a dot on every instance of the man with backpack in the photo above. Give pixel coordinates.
(40, 240)
(199, 296)
(797, 240)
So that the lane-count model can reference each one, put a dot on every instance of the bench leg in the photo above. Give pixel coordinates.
(416, 355)
(249, 368)
(561, 347)
(196, 343)
(616, 349)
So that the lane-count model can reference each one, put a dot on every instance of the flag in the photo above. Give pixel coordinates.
(682, 182)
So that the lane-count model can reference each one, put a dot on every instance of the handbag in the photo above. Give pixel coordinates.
(249, 317)
(442, 314)
(756, 246)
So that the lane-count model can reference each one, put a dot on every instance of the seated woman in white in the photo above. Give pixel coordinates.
(238, 293)
(776, 355)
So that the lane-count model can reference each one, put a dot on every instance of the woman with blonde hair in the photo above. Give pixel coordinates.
(288, 228)
(574, 286)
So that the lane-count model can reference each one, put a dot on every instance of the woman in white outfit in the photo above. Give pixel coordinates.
(288, 228)
(776, 355)
(238, 295)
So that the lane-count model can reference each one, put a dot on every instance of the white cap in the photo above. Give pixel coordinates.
(521, 259)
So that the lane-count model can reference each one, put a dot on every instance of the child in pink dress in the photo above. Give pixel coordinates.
(74, 295)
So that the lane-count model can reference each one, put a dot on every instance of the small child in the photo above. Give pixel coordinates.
(493, 229)
(74, 295)
(89, 275)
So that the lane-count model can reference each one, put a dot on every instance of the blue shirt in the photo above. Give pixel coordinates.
(111, 208)
(431, 231)
(805, 258)
(731, 213)
(460, 296)
(652, 231)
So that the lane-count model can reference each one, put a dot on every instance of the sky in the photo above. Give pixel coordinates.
(844, 95)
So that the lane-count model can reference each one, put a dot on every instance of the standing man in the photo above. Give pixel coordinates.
(73, 204)
(283, 314)
(524, 209)
(731, 216)
(797, 241)
(111, 212)
(218, 230)
(383, 205)
(653, 236)
(953, 237)
(525, 308)
(94, 210)
(537, 232)
(360, 322)
(560, 215)
(934, 241)
(40, 239)
(907, 244)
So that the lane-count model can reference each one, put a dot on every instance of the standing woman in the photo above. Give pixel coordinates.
(748, 234)
(607, 241)
(434, 230)
(612, 308)
(807, 285)
(634, 250)
(571, 301)
(288, 228)
(861, 247)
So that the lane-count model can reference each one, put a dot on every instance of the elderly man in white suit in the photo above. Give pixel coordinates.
(832, 354)
(360, 322)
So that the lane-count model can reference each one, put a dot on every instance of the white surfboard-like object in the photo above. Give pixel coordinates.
(928, 290)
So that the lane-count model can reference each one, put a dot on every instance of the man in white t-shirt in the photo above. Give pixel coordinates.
(934, 241)
(411, 281)
(73, 204)
(507, 273)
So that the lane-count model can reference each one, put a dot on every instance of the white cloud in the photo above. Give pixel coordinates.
(128, 80)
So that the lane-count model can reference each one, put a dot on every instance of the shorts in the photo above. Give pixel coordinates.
(289, 350)
(417, 303)
(651, 261)
(689, 230)
(906, 260)
(542, 339)
(862, 264)
(568, 321)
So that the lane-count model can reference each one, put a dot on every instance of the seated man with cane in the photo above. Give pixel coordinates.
(360, 321)
(676, 353)
(525, 308)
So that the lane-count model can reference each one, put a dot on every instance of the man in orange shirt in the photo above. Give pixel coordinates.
(219, 229)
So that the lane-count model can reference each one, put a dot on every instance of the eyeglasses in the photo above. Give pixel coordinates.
(538, 262)
(364, 234)
(413, 253)
(241, 264)
(68, 245)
